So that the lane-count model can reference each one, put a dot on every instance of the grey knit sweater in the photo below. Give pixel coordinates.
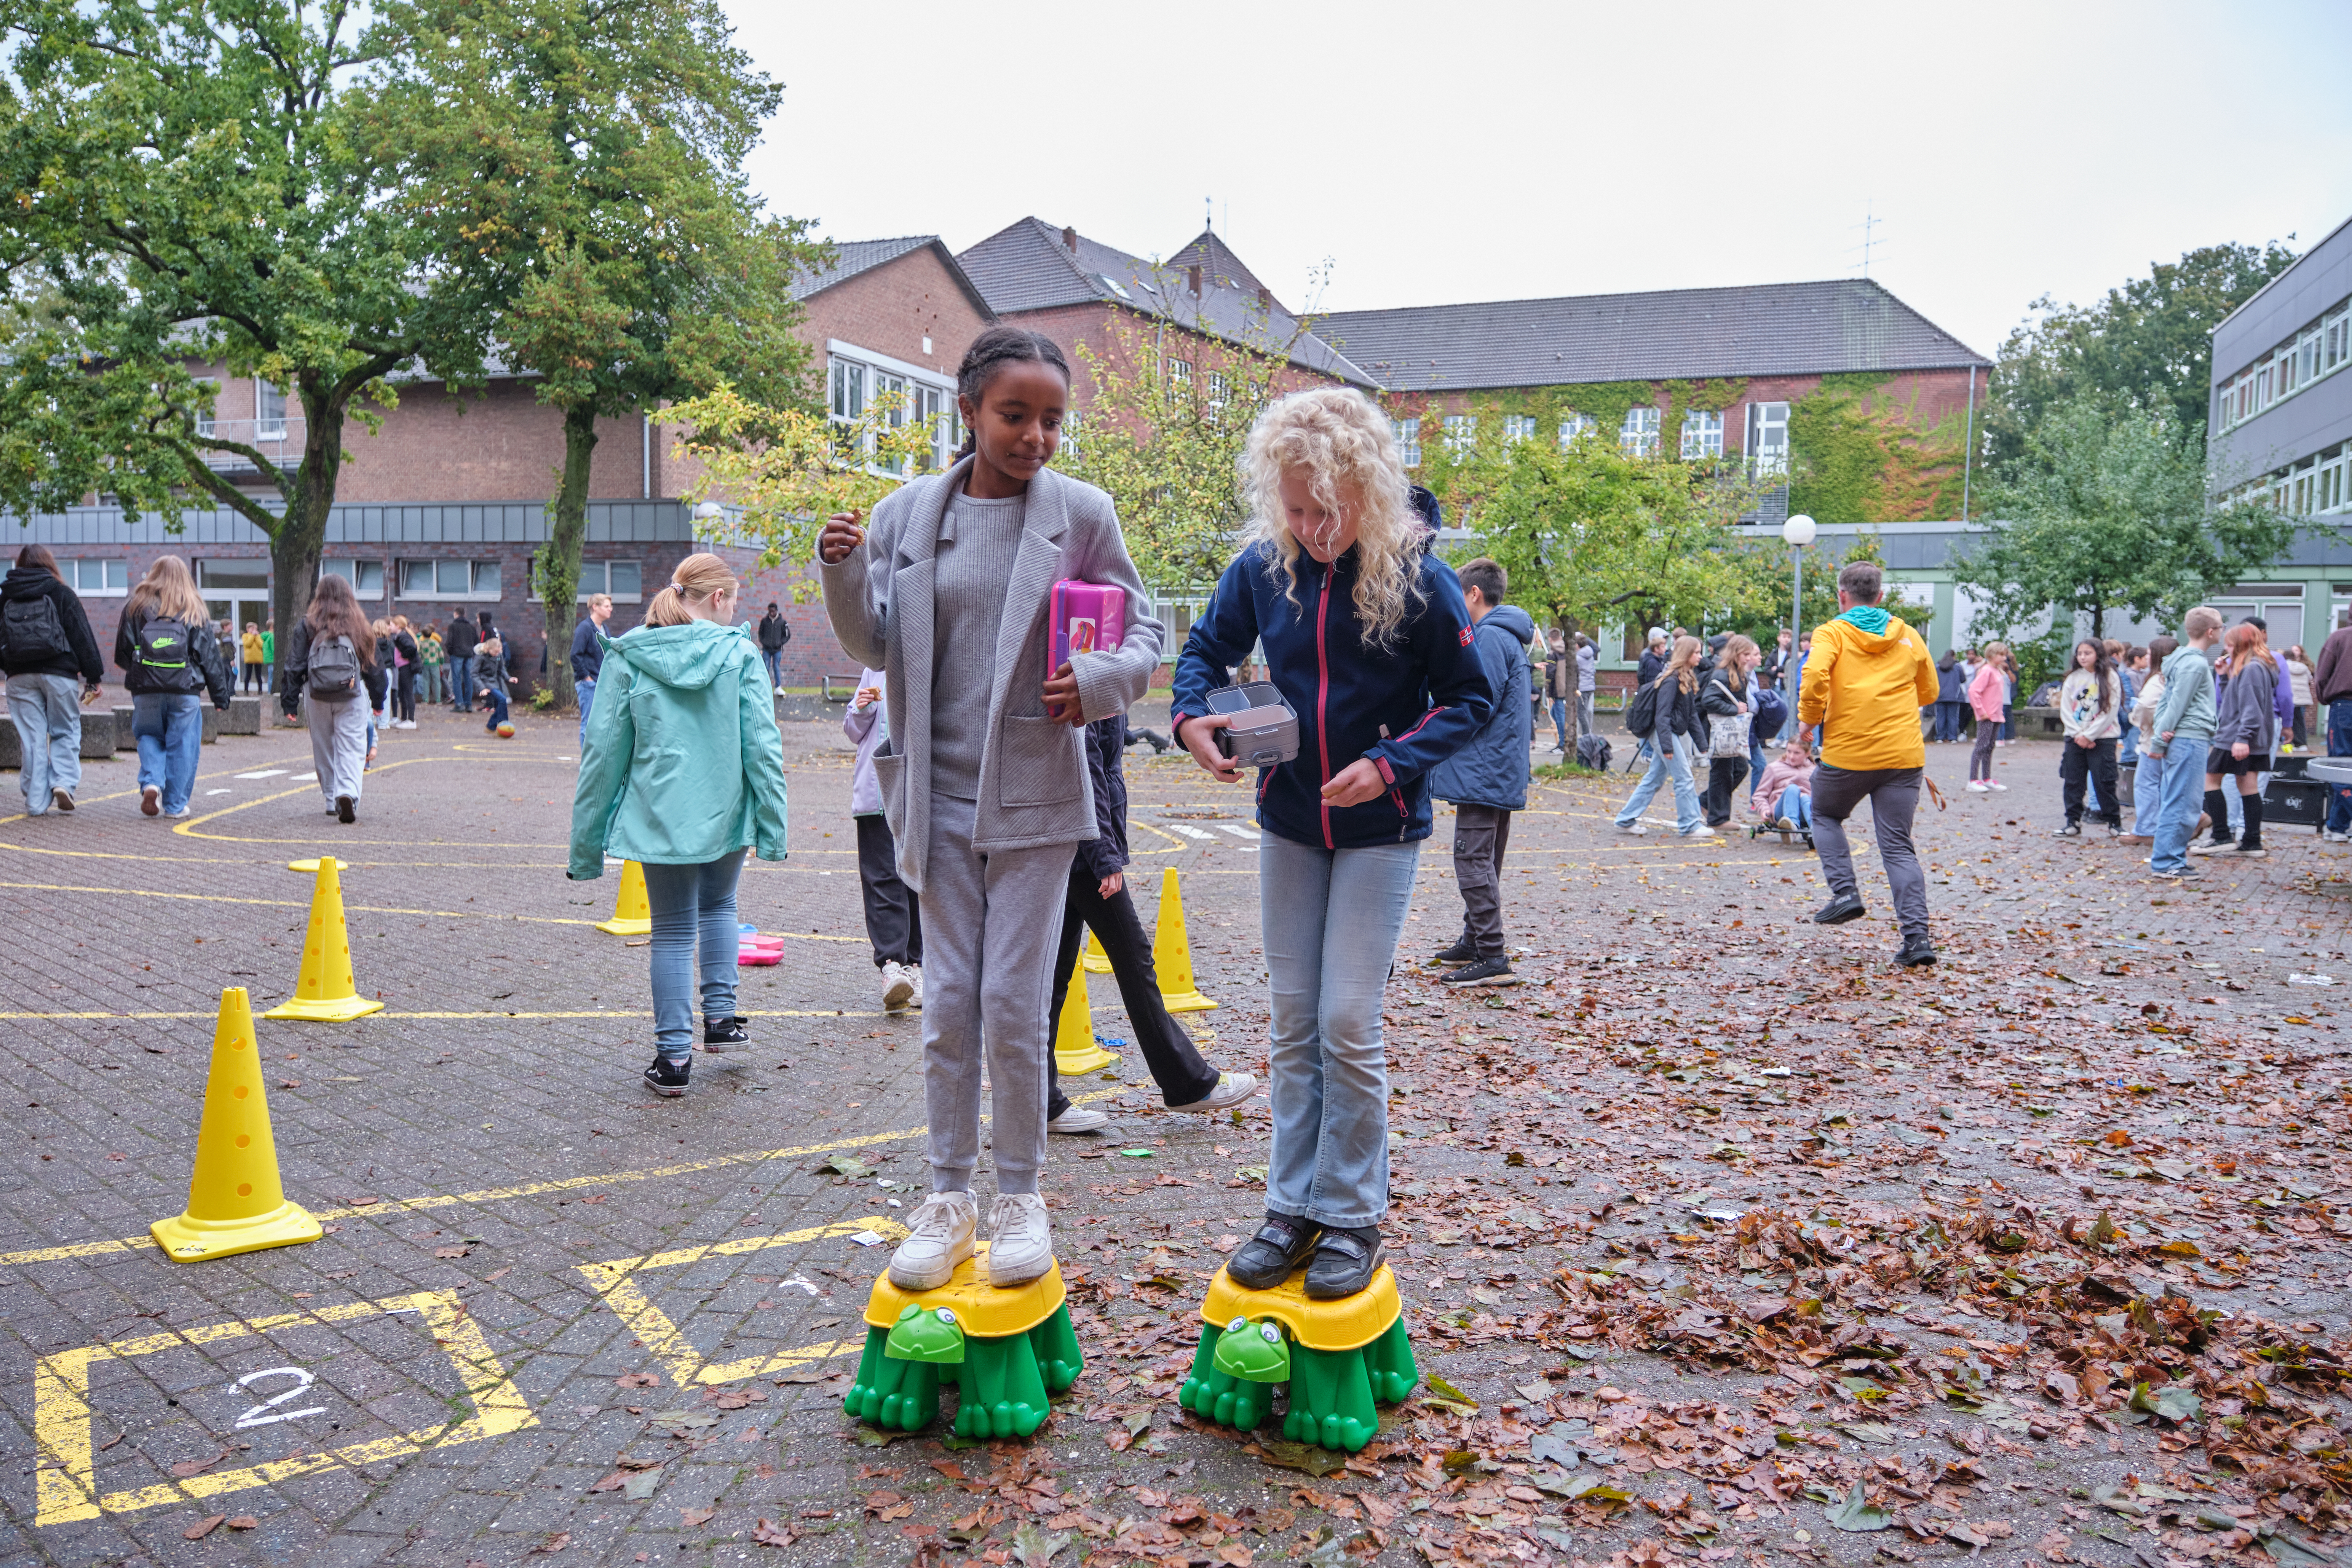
(978, 540)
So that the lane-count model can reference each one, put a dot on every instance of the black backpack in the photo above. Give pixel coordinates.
(30, 635)
(164, 648)
(1642, 713)
(334, 670)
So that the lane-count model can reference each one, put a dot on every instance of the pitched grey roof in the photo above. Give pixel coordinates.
(1772, 328)
(852, 257)
(1033, 266)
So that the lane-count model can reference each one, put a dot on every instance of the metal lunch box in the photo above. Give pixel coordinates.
(1265, 728)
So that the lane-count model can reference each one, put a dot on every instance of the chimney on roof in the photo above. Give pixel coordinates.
(1196, 271)
(1070, 240)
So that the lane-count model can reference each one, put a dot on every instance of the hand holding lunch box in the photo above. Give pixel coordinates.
(1082, 617)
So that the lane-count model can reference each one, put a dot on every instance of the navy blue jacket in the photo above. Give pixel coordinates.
(1106, 764)
(1406, 708)
(1492, 769)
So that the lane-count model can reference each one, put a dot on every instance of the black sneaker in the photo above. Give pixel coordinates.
(667, 1075)
(723, 1034)
(1838, 910)
(1482, 971)
(1462, 952)
(1344, 1263)
(346, 809)
(2072, 830)
(1265, 1259)
(1915, 951)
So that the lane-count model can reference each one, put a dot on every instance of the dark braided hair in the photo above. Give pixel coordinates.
(991, 352)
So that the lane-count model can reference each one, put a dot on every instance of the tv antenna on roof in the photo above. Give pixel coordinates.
(1869, 226)
(1207, 211)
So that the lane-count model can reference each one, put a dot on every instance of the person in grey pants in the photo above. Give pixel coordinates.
(984, 778)
(52, 662)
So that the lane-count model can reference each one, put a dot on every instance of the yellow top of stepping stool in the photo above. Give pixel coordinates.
(982, 1310)
(1346, 1324)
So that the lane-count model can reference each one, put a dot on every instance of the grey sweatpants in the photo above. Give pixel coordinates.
(338, 744)
(990, 923)
(1894, 795)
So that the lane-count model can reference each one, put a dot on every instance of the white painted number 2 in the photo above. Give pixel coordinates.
(263, 1414)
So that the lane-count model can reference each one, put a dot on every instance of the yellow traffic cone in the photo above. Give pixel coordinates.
(1092, 955)
(325, 994)
(1076, 1049)
(1171, 951)
(631, 914)
(235, 1202)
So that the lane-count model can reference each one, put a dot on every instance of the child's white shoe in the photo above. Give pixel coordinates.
(938, 1236)
(1019, 1241)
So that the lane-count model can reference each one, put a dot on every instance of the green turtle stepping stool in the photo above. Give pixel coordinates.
(1338, 1358)
(1007, 1352)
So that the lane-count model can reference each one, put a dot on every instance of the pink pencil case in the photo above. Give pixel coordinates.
(1087, 617)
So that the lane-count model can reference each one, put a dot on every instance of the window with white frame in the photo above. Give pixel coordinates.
(1408, 440)
(1702, 434)
(207, 391)
(269, 412)
(1461, 433)
(1639, 434)
(1767, 445)
(449, 579)
(95, 577)
(1574, 429)
(848, 389)
(1216, 392)
(1517, 427)
(890, 397)
(623, 582)
(366, 577)
(1178, 373)
(935, 407)
(2317, 350)
(1073, 443)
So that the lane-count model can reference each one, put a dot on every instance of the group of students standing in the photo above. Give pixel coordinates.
(994, 785)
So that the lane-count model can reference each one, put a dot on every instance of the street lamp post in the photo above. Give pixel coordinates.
(1799, 531)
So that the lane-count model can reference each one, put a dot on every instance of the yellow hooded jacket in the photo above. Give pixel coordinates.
(1866, 689)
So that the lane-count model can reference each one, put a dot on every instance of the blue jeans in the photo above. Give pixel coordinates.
(2339, 744)
(1672, 761)
(1794, 807)
(693, 910)
(2184, 790)
(2147, 794)
(773, 658)
(1559, 719)
(1330, 919)
(461, 683)
(47, 712)
(171, 734)
(587, 689)
(498, 705)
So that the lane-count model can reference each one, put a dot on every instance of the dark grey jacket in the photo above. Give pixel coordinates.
(2247, 711)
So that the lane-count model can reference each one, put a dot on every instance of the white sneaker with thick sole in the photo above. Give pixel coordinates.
(1079, 1119)
(938, 1236)
(1233, 1087)
(1020, 1242)
(898, 986)
(1996, 783)
(1634, 827)
(1977, 787)
(916, 974)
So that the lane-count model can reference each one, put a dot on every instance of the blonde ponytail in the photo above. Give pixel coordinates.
(699, 576)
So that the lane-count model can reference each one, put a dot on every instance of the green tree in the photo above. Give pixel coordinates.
(579, 165)
(2106, 510)
(2148, 345)
(184, 188)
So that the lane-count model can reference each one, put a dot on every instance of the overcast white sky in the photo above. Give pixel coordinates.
(1470, 151)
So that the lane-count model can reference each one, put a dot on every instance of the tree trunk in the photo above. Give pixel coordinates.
(559, 564)
(295, 548)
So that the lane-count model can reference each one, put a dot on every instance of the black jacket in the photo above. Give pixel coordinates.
(405, 646)
(1678, 713)
(1106, 758)
(25, 582)
(774, 633)
(1647, 670)
(461, 638)
(207, 670)
(1716, 696)
(587, 651)
(294, 670)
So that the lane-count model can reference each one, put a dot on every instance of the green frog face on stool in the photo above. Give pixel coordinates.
(925, 1334)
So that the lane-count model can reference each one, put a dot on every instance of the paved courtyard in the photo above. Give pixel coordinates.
(1721, 1240)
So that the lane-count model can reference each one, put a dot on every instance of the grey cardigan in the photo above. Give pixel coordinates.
(1034, 787)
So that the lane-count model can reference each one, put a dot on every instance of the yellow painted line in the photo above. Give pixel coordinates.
(67, 1491)
(529, 1189)
(612, 1282)
(616, 1012)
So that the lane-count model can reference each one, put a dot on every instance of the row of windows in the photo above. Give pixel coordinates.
(2312, 486)
(856, 387)
(268, 421)
(1702, 437)
(2320, 349)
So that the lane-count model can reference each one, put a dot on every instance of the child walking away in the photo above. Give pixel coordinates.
(330, 671)
(893, 923)
(1988, 697)
(983, 773)
(1665, 711)
(683, 771)
(1487, 780)
(1784, 796)
(1099, 902)
(1369, 639)
(2245, 733)
(50, 658)
(169, 655)
(2090, 706)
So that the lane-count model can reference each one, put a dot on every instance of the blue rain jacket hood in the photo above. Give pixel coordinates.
(683, 761)
(1405, 708)
(1492, 769)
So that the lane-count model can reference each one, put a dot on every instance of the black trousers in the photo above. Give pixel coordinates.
(1482, 836)
(2096, 761)
(893, 922)
(1723, 777)
(1175, 1062)
(403, 693)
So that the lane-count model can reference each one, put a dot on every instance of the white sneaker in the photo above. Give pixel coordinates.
(1697, 833)
(1636, 829)
(1233, 1087)
(915, 974)
(898, 987)
(938, 1236)
(1996, 783)
(1020, 1242)
(2328, 837)
(1977, 787)
(1079, 1119)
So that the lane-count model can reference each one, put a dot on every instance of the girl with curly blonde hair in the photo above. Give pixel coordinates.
(1368, 641)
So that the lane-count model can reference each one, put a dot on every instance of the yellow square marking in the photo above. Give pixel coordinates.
(612, 1282)
(67, 1491)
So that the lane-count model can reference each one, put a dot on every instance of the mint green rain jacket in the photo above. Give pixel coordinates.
(683, 762)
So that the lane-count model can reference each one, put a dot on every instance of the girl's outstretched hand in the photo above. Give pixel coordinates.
(1199, 737)
(1357, 783)
(841, 536)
